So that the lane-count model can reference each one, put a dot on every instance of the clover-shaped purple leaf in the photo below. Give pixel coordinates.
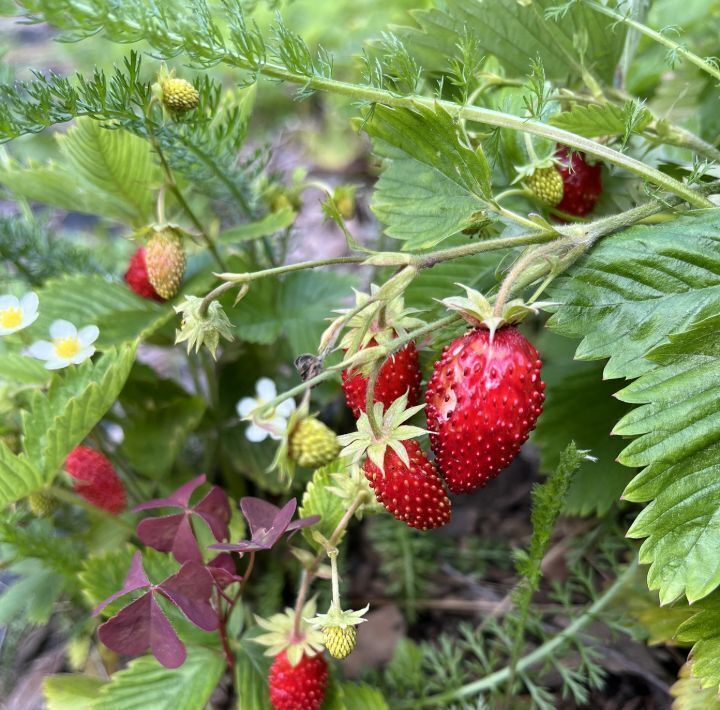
(142, 625)
(223, 570)
(174, 533)
(267, 524)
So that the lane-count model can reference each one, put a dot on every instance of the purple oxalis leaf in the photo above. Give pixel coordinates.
(223, 570)
(267, 524)
(173, 533)
(142, 626)
(190, 589)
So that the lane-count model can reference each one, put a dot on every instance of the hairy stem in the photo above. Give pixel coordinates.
(370, 398)
(308, 574)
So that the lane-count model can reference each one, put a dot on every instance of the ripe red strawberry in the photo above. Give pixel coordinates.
(399, 374)
(482, 402)
(581, 183)
(414, 494)
(136, 277)
(95, 479)
(300, 687)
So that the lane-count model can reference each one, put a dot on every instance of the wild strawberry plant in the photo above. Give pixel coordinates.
(184, 501)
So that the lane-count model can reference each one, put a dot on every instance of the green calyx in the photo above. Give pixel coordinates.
(280, 634)
(198, 329)
(479, 312)
(392, 432)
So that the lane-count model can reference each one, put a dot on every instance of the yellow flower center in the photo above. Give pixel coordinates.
(66, 347)
(11, 317)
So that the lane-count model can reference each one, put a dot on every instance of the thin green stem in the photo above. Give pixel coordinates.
(485, 116)
(539, 654)
(370, 398)
(657, 37)
(288, 268)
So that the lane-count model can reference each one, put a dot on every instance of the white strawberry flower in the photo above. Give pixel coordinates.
(274, 422)
(17, 313)
(69, 346)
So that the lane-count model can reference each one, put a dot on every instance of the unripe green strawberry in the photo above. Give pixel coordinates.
(547, 185)
(42, 504)
(339, 641)
(312, 444)
(165, 261)
(179, 95)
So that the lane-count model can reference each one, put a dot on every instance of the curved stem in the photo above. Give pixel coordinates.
(539, 654)
(656, 36)
(288, 268)
(485, 116)
(72, 499)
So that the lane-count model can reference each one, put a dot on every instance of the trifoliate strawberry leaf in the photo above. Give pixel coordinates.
(703, 631)
(60, 418)
(516, 33)
(603, 120)
(174, 533)
(637, 287)
(566, 414)
(71, 691)
(689, 694)
(146, 684)
(678, 430)
(319, 500)
(432, 181)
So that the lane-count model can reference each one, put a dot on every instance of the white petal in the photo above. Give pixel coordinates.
(8, 331)
(8, 301)
(278, 424)
(265, 389)
(42, 350)
(246, 405)
(29, 303)
(286, 408)
(83, 355)
(255, 434)
(29, 319)
(88, 335)
(56, 364)
(62, 329)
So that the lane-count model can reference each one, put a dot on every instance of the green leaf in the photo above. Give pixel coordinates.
(703, 631)
(689, 693)
(21, 369)
(18, 477)
(268, 225)
(569, 389)
(159, 415)
(517, 33)
(86, 299)
(599, 120)
(71, 691)
(62, 417)
(318, 500)
(115, 163)
(32, 594)
(638, 287)
(678, 430)
(359, 696)
(251, 684)
(432, 181)
(146, 684)
(295, 307)
(103, 574)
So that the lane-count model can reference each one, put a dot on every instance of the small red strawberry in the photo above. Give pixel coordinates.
(298, 687)
(95, 479)
(378, 323)
(582, 185)
(136, 277)
(483, 398)
(399, 374)
(403, 479)
(413, 493)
